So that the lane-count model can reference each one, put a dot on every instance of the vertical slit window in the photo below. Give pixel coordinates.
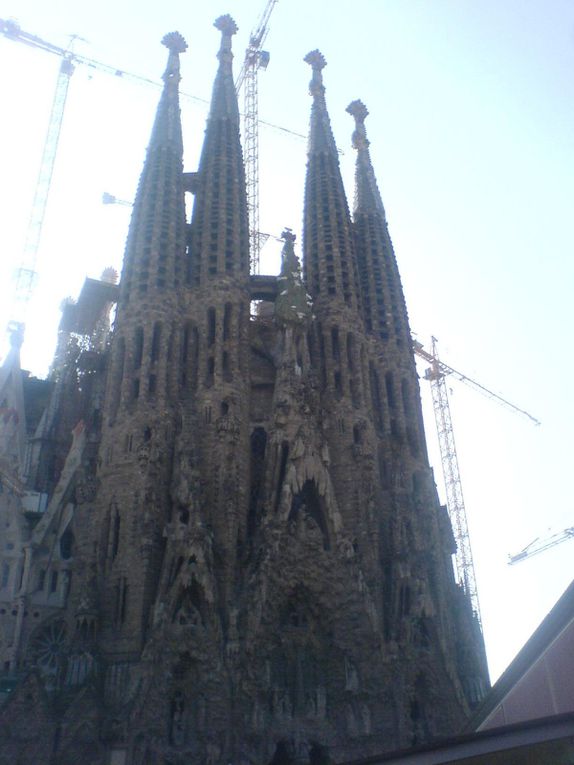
(210, 371)
(211, 327)
(282, 473)
(118, 377)
(152, 385)
(155, 342)
(138, 347)
(376, 397)
(227, 321)
(116, 534)
(184, 355)
(390, 390)
(350, 352)
(407, 407)
(226, 367)
(335, 347)
(6, 576)
(194, 356)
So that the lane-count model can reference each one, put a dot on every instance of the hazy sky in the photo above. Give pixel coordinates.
(472, 137)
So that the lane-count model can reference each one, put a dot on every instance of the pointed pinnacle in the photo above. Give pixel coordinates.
(359, 111)
(289, 260)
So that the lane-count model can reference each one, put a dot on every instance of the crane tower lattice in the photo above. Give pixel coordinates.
(255, 59)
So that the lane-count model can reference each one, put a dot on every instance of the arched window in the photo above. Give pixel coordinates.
(306, 507)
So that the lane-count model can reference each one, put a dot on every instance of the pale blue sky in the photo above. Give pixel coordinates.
(472, 136)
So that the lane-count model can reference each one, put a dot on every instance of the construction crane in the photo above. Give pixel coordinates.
(255, 59)
(539, 545)
(436, 374)
(25, 276)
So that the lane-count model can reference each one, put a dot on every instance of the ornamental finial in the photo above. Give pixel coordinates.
(174, 42)
(226, 25)
(359, 111)
(228, 28)
(288, 235)
(316, 61)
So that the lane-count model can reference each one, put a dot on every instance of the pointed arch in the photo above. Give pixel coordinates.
(308, 506)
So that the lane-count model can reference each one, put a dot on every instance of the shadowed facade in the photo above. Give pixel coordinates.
(260, 567)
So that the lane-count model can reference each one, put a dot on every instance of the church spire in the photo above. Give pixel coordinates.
(329, 260)
(367, 195)
(156, 241)
(382, 298)
(219, 225)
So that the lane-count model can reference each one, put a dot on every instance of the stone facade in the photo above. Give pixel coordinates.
(258, 567)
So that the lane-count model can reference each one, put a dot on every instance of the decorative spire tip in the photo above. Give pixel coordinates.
(288, 235)
(226, 25)
(358, 110)
(174, 42)
(316, 60)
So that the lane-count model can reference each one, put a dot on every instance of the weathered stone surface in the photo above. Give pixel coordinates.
(260, 568)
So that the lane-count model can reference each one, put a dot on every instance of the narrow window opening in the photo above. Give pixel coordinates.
(5, 575)
(155, 343)
(211, 327)
(194, 357)
(66, 545)
(124, 602)
(350, 353)
(54, 582)
(335, 347)
(405, 600)
(376, 397)
(282, 472)
(118, 377)
(184, 356)
(322, 356)
(138, 347)
(210, 371)
(257, 471)
(116, 535)
(390, 390)
(227, 321)
(405, 394)
(226, 367)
